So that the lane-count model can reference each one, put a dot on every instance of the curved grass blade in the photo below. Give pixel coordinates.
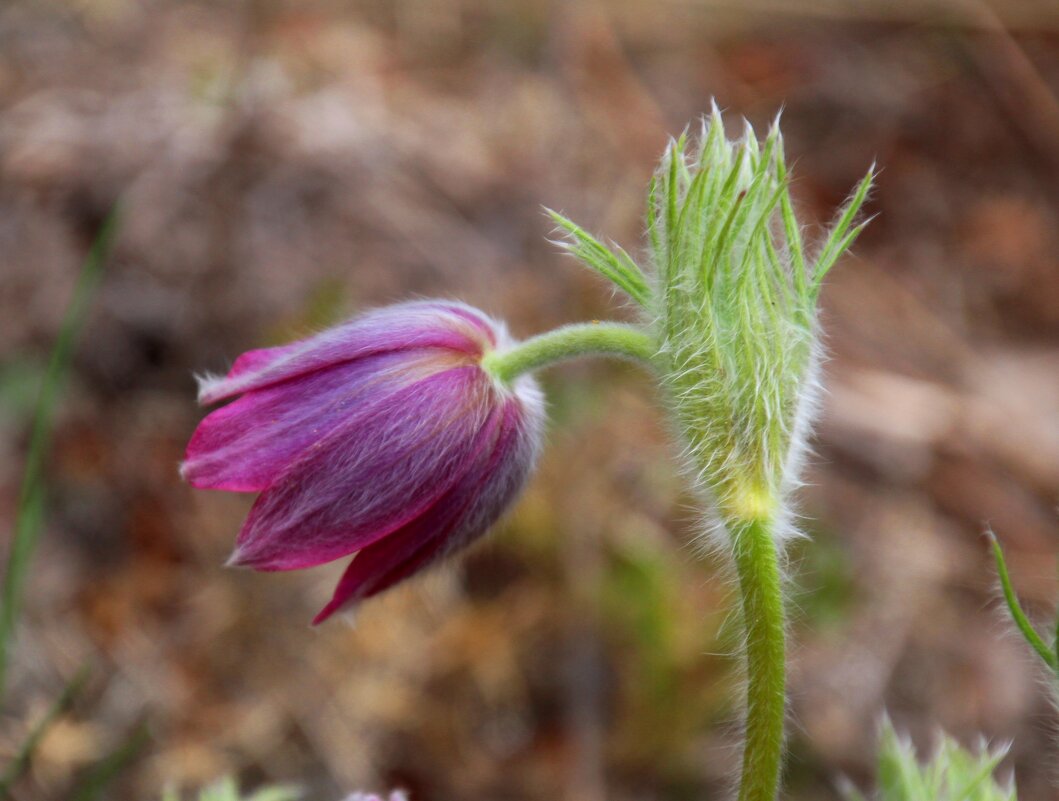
(103, 772)
(18, 764)
(30, 511)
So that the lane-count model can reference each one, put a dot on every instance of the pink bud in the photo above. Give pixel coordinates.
(383, 435)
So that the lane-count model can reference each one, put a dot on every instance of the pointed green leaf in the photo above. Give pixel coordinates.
(618, 267)
(1025, 628)
(838, 240)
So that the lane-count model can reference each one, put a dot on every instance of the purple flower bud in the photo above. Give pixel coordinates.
(383, 435)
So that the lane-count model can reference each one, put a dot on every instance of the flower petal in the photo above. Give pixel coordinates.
(464, 513)
(423, 324)
(370, 475)
(244, 446)
(254, 361)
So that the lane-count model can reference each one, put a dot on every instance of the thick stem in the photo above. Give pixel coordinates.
(570, 342)
(760, 586)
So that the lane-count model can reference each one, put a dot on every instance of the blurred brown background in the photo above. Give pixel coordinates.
(286, 163)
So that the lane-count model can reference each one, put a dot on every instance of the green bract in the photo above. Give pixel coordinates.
(732, 302)
(737, 310)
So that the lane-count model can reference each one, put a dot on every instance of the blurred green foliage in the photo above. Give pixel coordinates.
(952, 774)
(227, 790)
(20, 382)
(672, 695)
(824, 585)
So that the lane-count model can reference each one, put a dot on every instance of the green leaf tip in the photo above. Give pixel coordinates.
(1018, 616)
(844, 233)
(614, 264)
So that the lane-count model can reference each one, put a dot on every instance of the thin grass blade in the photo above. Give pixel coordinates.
(93, 785)
(59, 707)
(30, 513)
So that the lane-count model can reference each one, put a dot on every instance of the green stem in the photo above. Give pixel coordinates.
(760, 586)
(570, 342)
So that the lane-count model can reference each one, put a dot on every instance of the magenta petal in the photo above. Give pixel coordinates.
(371, 474)
(384, 435)
(461, 515)
(244, 446)
(407, 326)
(254, 361)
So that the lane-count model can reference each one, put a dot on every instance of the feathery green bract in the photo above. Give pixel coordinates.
(617, 266)
(735, 309)
(732, 300)
(953, 774)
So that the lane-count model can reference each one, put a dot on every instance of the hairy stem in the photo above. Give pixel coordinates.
(570, 342)
(761, 591)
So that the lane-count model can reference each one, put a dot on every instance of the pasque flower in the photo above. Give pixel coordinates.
(383, 435)
(406, 432)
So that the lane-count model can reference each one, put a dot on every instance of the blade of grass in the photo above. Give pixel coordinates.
(103, 772)
(17, 766)
(30, 512)
(1015, 608)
